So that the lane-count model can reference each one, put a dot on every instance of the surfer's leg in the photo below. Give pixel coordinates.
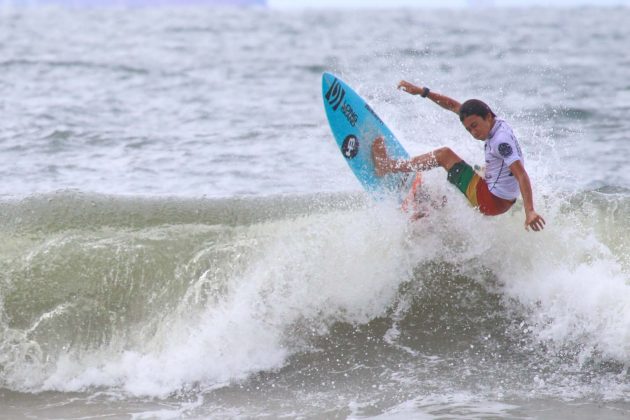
(382, 163)
(443, 157)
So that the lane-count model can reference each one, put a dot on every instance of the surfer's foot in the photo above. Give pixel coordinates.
(382, 164)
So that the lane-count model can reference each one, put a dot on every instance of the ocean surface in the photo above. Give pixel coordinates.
(181, 238)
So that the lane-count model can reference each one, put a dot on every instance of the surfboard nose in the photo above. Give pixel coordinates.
(327, 79)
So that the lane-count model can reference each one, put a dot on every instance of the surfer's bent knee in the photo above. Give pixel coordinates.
(445, 157)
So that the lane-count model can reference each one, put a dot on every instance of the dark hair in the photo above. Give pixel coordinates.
(474, 107)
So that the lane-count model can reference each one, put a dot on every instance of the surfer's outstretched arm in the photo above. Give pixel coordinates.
(532, 219)
(442, 100)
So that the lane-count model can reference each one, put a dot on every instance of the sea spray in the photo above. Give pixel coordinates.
(309, 290)
(159, 309)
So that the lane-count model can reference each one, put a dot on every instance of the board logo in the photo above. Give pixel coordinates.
(350, 146)
(335, 95)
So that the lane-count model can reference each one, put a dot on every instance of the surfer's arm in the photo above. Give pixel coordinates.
(532, 219)
(444, 101)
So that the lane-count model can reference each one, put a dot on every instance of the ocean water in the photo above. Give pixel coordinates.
(180, 237)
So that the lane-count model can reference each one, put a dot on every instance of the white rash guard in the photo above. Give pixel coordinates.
(502, 150)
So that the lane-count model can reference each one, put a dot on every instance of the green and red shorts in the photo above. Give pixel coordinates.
(475, 188)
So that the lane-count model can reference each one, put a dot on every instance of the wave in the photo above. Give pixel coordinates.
(154, 296)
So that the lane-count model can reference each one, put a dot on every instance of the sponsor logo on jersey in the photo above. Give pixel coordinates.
(505, 150)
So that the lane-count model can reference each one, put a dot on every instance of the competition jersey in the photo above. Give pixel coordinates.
(502, 150)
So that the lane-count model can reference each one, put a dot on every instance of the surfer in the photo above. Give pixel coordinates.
(494, 192)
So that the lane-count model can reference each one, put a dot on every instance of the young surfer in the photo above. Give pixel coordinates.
(505, 173)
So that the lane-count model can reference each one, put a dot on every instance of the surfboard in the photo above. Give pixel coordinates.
(355, 126)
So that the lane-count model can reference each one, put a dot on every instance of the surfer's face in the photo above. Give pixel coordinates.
(479, 127)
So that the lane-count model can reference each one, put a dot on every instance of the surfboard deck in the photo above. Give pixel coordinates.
(355, 126)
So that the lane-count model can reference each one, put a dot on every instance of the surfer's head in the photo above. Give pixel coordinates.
(477, 117)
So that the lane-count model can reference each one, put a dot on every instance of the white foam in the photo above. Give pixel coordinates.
(301, 275)
(306, 274)
(574, 289)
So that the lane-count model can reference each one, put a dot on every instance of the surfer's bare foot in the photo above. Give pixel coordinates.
(382, 164)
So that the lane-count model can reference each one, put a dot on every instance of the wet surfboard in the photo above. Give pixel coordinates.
(355, 126)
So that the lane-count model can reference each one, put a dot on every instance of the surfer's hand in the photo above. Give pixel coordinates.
(409, 87)
(534, 220)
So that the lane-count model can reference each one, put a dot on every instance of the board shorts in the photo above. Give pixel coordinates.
(475, 188)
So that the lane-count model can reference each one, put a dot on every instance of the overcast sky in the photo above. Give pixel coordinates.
(441, 3)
